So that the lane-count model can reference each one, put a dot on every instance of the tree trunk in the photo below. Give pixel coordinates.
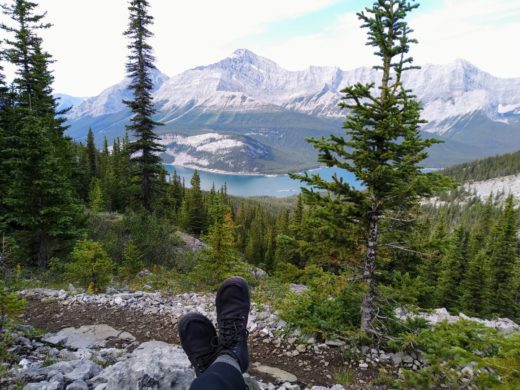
(367, 306)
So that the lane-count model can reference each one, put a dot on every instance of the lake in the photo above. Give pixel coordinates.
(245, 185)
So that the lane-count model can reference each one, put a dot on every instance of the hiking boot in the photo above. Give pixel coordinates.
(233, 303)
(199, 340)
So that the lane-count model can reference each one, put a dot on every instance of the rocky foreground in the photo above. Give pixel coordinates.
(128, 340)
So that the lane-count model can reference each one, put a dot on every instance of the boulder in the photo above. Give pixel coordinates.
(86, 337)
(153, 364)
(298, 288)
(278, 375)
(44, 386)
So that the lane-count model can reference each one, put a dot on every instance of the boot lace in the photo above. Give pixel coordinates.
(232, 331)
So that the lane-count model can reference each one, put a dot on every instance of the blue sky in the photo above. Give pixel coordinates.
(91, 51)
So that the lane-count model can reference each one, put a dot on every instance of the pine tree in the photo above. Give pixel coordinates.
(145, 147)
(453, 268)
(220, 259)
(42, 210)
(196, 212)
(384, 149)
(472, 300)
(96, 198)
(504, 258)
(4, 177)
(41, 204)
(92, 156)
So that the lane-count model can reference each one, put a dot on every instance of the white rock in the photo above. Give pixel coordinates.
(162, 365)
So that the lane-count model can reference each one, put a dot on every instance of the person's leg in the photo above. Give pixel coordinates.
(220, 367)
(220, 376)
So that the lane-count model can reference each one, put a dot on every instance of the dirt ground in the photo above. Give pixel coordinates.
(309, 368)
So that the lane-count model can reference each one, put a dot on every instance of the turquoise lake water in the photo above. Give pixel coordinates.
(243, 185)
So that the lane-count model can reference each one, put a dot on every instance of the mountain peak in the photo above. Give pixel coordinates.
(244, 53)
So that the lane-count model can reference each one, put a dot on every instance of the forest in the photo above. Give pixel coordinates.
(70, 212)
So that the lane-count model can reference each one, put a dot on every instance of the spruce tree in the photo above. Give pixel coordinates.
(196, 210)
(144, 148)
(384, 148)
(42, 209)
(503, 260)
(449, 290)
(92, 156)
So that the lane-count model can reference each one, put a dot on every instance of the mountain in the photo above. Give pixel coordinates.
(246, 95)
(67, 101)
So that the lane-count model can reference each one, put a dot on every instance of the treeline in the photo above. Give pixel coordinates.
(488, 168)
(464, 257)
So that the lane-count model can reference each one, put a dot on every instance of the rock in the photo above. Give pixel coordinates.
(298, 289)
(153, 364)
(77, 385)
(335, 343)
(118, 300)
(301, 348)
(145, 272)
(278, 375)
(363, 366)
(397, 358)
(258, 273)
(83, 370)
(89, 336)
(408, 360)
(190, 242)
(43, 386)
(251, 383)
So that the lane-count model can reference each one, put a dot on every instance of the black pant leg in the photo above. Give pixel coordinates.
(219, 376)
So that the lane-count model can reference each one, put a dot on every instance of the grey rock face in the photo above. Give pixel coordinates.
(153, 364)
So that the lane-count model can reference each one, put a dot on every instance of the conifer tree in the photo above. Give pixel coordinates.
(92, 156)
(145, 147)
(42, 208)
(384, 149)
(453, 268)
(3, 134)
(504, 258)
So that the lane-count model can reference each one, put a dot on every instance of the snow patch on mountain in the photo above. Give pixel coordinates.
(246, 82)
(226, 153)
(110, 101)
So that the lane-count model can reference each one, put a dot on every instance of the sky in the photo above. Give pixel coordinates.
(90, 51)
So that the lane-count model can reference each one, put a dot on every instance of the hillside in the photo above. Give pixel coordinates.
(488, 168)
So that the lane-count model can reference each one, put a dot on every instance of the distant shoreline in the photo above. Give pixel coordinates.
(227, 173)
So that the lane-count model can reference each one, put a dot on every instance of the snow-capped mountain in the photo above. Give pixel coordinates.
(477, 113)
(67, 101)
(110, 101)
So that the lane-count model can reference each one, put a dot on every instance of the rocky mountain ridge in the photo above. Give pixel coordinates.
(475, 113)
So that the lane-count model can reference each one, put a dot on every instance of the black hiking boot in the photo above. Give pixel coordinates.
(233, 303)
(199, 340)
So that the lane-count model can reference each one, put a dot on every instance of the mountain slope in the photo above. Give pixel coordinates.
(475, 113)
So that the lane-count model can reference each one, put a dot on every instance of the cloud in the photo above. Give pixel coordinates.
(90, 50)
(480, 31)
(87, 42)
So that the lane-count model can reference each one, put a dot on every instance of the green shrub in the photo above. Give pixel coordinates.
(451, 347)
(90, 267)
(11, 305)
(132, 261)
(220, 259)
(330, 306)
(154, 237)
